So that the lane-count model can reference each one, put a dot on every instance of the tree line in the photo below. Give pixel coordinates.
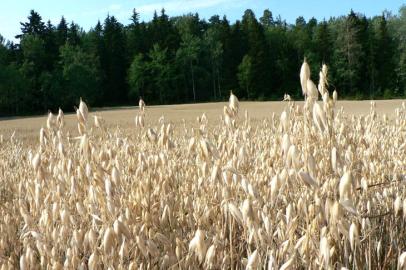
(188, 59)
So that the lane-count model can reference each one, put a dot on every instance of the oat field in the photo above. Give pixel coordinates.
(238, 185)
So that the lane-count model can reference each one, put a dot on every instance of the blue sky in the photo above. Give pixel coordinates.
(87, 12)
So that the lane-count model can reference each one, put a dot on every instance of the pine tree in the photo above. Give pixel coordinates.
(349, 55)
(384, 58)
(323, 43)
(51, 46)
(73, 37)
(235, 47)
(136, 36)
(34, 26)
(113, 60)
(62, 32)
(401, 49)
(259, 53)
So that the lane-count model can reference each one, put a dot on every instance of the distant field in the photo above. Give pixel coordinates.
(28, 127)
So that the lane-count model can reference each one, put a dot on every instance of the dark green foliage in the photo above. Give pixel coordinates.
(137, 78)
(187, 56)
(398, 26)
(158, 72)
(80, 76)
(62, 32)
(245, 75)
(13, 95)
(258, 51)
(384, 58)
(114, 63)
(214, 49)
(349, 55)
(34, 26)
(73, 37)
(267, 18)
(187, 59)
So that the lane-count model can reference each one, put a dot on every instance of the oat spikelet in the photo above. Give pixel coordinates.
(402, 261)
(253, 261)
(345, 186)
(83, 110)
(304, 76)
(353, 236)
(197, 246)
(325, 251)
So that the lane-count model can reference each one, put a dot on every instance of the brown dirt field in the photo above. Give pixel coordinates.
(27, 128)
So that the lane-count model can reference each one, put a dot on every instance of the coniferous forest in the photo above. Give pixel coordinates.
(188, 59)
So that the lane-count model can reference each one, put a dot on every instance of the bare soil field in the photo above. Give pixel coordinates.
(28, 127)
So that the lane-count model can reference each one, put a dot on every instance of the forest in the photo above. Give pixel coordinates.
(186, 59)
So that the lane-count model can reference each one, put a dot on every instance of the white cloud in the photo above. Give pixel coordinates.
(180, 6)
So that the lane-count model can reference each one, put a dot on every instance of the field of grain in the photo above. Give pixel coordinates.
(237, 185)
(27, 128)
